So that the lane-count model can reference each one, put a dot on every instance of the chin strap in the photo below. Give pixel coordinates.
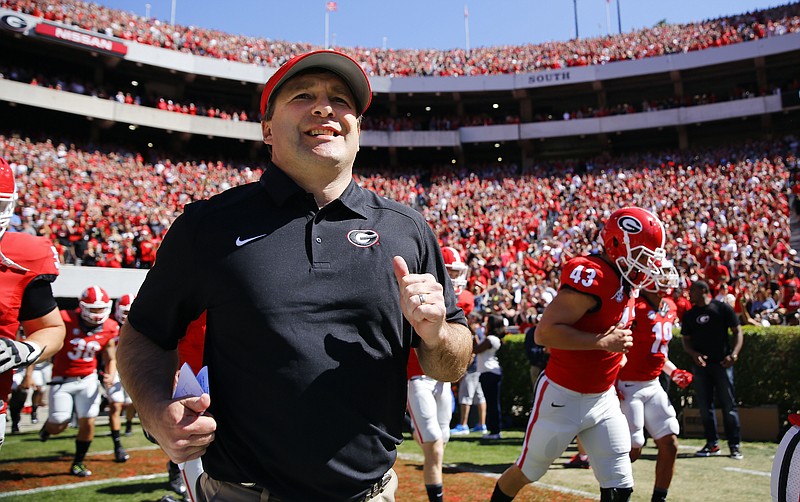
(8, 262)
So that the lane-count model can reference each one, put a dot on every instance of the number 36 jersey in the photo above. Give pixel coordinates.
(592, 371)
(78, 356)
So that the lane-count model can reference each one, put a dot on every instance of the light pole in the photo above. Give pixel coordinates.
(172, 17)
(147, 11)
(619, 19)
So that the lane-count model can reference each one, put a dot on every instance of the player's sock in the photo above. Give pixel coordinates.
(115, 438)
(615, 494)
(81, 447)
(659, 495)
(499, 496)
(435, 492)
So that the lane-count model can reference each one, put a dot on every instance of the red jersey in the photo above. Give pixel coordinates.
(190, 347)
(40, 258)
(78, 356)
(592, 371)
(652, 331)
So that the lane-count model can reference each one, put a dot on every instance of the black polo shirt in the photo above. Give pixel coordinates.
(306, 344)
(708, 328)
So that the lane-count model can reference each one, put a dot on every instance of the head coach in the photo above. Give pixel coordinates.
(315, 291)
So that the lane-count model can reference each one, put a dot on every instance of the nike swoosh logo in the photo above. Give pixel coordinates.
(628, 385)
(554, 405)
(241, 242)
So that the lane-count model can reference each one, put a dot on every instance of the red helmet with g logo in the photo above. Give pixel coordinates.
(455, 267)
(95, 305)
(633, 238)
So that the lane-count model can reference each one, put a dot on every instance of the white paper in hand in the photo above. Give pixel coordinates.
(190, 386)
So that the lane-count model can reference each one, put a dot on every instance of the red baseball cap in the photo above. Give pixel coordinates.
(341, 64)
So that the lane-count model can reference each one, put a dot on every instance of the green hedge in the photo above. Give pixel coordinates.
(767, 372)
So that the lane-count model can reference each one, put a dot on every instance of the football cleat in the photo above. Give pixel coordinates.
(576, 462)
(79, 469)
(120, 455)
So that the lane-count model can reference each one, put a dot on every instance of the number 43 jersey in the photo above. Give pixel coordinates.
(78, 356)
(652, 331)
(592, 371)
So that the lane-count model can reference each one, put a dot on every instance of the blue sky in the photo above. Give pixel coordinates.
(432, 23)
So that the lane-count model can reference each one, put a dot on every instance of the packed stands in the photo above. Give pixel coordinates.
(656, 41)
(515, 226)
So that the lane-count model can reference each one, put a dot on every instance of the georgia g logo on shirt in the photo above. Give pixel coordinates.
(703, 319)
(363, 238)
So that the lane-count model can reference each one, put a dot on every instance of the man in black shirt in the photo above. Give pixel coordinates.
(705, 333)
(315, 291)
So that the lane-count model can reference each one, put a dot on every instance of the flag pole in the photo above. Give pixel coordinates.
(327, 13)
(619, 19)
(575, 9)
(466, 27)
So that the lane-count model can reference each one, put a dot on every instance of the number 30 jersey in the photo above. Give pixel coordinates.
(78, 356)
(592, 371)
(652, 331)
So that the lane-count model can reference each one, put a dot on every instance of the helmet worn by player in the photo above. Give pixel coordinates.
(8, 201)
(633, 238)
(95, 305)
(8, 195)
(123, 306)
(456, 268)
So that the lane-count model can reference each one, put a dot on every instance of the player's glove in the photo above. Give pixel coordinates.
(14, 354)
(682, 378)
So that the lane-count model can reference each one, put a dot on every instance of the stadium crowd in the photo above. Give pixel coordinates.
(727, 211)
(647, 42)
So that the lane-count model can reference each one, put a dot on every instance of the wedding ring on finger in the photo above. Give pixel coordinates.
(421, 299)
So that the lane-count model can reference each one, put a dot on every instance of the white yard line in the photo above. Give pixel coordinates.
(747, 471)
(82, 485)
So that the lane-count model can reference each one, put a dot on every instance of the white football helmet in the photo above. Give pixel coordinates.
(8, 195)
(456, 268)
(95, 305)
(123, 307)
(633, 238)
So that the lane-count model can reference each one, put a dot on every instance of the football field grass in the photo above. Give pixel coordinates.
(31, 470)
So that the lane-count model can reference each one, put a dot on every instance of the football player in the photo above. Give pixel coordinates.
(430, 402)
(28, 265)
(785, 480)
(643, 400)
(116, 395)
(586, 327)
(75, 385)
(120, 314)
